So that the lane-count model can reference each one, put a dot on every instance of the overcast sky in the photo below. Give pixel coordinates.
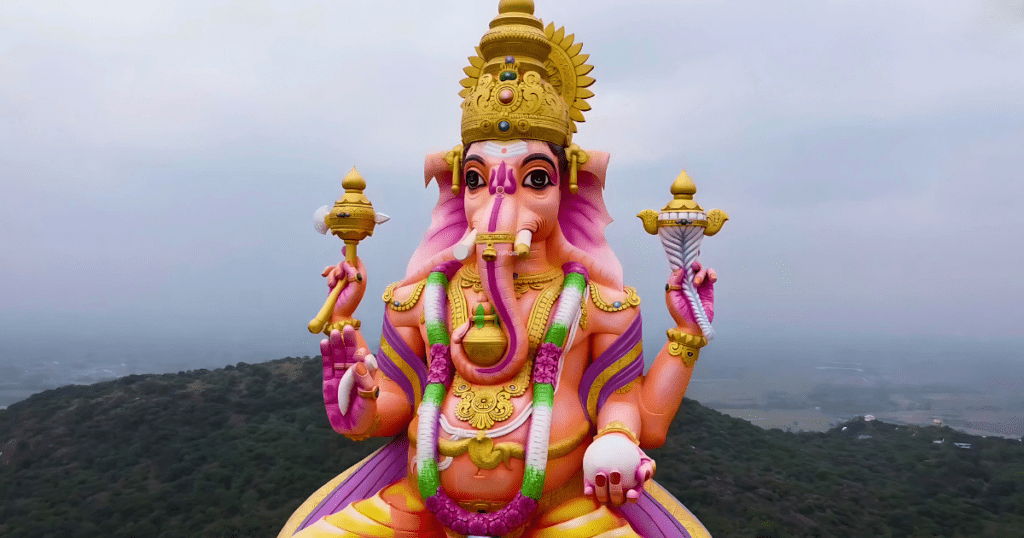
(160, 163)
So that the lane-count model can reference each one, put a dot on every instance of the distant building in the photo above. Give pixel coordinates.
(964, 446)
(937, 421)
(869, 418)
(939, 442)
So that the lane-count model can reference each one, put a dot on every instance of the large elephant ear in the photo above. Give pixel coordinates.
(447, 222)
(583, 218)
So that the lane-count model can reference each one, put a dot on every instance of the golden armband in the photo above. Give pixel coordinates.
(685, 346)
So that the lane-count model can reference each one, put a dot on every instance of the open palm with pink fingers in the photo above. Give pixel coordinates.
(349, 388)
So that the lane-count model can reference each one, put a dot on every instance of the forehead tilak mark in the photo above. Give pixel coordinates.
(497, 149)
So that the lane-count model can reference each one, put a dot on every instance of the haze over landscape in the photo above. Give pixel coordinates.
(160, 163)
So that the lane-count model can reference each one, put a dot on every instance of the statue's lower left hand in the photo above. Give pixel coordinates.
(350, 391)
(615, 469)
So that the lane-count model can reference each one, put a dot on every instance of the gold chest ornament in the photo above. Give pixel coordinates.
(482, 406)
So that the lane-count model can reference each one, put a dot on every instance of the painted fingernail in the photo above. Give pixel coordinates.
(600, 480)
(616, 477)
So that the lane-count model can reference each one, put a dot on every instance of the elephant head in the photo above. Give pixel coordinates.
(514, 210)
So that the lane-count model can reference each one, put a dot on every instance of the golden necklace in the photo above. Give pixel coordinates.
(522, 283)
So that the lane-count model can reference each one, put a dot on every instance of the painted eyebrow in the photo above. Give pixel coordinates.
(476, 158)
(538, 157)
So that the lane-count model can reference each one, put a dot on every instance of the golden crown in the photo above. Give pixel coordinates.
(526, 80)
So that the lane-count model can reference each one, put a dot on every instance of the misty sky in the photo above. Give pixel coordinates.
(160, 163)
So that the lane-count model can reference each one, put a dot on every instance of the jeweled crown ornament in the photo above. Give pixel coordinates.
(682, 225)
(352, 219)
(526, 81)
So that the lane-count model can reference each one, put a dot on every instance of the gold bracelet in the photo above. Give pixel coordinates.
(618, 427)
(340, 325)
(685, 346)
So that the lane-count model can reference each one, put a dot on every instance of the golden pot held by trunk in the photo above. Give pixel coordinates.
(485, 343)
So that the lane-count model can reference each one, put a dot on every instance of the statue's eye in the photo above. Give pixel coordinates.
(537, 179)
(474, 180)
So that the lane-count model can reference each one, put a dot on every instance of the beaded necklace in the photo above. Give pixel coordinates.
(545, 374)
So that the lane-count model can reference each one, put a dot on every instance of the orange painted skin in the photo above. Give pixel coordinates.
(646, 409)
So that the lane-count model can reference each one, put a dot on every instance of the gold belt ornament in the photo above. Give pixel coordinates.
(486, 454)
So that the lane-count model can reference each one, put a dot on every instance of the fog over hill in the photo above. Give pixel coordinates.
(794, 384)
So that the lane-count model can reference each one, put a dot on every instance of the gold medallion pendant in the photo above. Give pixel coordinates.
(484, 406)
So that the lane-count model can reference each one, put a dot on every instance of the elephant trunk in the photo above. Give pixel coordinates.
(495, 265)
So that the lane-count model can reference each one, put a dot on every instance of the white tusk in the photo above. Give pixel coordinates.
(464, 249)
(318, 219)
(523, 240)
(348, 380)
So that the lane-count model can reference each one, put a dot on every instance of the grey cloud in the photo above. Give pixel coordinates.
(159, 161)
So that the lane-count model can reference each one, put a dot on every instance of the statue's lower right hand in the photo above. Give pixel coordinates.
(354, 279)
(350, 391)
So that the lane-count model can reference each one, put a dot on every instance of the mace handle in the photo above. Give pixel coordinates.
(318, 323)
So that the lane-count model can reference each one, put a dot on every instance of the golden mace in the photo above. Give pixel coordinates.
(352, 219)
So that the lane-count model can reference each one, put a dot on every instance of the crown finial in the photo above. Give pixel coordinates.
(519, 6)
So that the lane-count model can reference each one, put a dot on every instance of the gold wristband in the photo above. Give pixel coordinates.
(618, 427)
(340, 325)
(685, 346)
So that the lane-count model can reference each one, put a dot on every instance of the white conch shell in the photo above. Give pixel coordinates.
(682, 246)
(318, 219)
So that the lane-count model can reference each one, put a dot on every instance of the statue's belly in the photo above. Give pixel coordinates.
(487, 471)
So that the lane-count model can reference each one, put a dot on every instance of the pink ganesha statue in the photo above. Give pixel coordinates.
(510, 373)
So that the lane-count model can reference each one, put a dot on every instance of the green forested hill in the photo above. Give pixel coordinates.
(233, 452)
